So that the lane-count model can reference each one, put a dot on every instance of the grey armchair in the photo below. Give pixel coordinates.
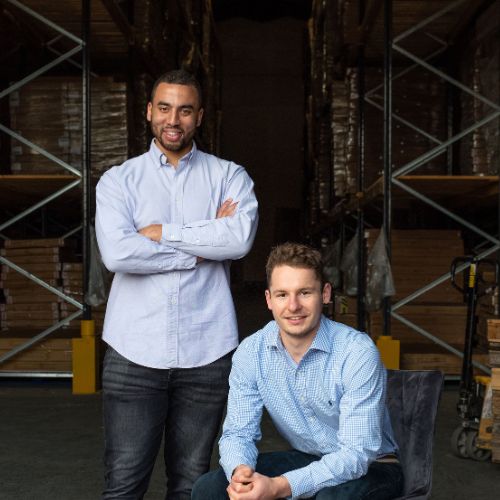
(412, 400)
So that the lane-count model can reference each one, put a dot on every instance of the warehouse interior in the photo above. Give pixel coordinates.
(370, 129)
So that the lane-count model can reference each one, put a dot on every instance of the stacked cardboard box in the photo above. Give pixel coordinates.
(52, 354)
(418, 98)
(487, 303)
(494, 354)
(418, 258)
(27, 304)
(29, 308)
(479, 152)
(343, 112)
(48, 112)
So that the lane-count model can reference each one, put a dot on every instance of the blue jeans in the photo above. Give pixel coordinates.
(383, 481)
(142, 404)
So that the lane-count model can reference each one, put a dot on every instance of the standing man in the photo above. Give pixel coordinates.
(168, 224)
(323, 385)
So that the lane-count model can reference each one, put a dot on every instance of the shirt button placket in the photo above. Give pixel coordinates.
(300, 383)
(173, 320)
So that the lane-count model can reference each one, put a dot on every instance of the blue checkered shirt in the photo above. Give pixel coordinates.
(331, 404)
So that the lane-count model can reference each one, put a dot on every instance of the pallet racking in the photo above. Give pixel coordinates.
(425, 39)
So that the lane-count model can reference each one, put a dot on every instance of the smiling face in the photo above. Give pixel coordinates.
(295, 297)
(174, 115)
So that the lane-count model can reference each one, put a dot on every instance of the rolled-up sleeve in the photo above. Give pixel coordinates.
(122, 248)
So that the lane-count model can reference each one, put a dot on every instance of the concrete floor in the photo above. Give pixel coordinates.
(51, 441)
(51, 448)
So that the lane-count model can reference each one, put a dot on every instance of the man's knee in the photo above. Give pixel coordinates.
(210, 486)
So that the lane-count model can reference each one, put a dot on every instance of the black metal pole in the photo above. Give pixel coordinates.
(86, 134)
(361, 309)
(387, 146)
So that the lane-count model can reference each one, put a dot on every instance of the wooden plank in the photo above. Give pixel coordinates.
(448, 363)
(14, 276)
(28, 323)
(450, 188)
(495, 379)
(445, 322)
(32, 299)
(39, 243)
(12, 252)
(26, 283)
(36, 366)
(29, 307)
(493, 330)
(39, 355)
(29, 315)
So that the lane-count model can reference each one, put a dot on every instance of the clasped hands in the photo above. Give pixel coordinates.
(153, 231)
(246, 484)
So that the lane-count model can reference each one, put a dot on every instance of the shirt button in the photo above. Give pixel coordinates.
(172, 236)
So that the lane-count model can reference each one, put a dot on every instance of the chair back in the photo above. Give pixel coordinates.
(412, 401)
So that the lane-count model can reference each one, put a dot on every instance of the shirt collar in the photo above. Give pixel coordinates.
(324, 338)
(322, 342)
(159, 158)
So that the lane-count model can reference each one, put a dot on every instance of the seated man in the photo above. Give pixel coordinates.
(323, 385)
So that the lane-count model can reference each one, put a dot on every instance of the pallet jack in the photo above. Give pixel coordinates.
(470, 438)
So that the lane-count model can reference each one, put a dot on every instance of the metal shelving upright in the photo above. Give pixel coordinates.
(396, 178)
(80, 178)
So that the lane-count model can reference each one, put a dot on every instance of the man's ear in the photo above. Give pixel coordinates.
(200, 116)
(327, 293)
(149, 111)
(268, 300)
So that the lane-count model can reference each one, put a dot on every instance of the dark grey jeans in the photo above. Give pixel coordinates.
(383, 481)
(142, 404)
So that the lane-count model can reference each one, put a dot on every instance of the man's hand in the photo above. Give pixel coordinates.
(226, 209)
(153, 232)
(249, 485)
(240, 481)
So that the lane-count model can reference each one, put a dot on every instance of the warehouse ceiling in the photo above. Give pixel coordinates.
(262, 10)
(28, 42)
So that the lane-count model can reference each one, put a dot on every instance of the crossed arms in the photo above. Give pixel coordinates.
(160, 248)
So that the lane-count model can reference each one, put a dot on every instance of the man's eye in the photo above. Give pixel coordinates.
(186, 112)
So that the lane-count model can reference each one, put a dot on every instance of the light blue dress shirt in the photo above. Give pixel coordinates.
(164, 309)
(331, 404)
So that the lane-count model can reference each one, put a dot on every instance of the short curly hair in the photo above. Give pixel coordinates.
(179, 77)
(295, 255)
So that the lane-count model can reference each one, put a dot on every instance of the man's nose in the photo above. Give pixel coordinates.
(293, 303)
(173, 117)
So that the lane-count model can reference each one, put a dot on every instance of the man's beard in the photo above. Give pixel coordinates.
(171, 146)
